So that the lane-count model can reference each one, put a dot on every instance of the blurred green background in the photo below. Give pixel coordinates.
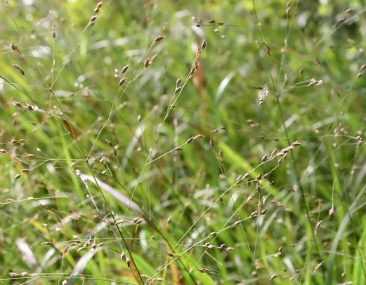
(182, 142)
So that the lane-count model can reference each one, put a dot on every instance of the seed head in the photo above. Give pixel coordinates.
(159, 39)
(122, 81)
(124, 69)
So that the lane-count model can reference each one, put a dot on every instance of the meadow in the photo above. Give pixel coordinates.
(182, 142)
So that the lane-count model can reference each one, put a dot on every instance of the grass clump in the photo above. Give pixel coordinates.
(182, 142)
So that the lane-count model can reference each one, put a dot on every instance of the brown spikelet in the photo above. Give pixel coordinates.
(93, 19)
(203, 45)
(158, 39)
(149, 61)
(146, 63)
(71, 129)
(124, 69)
(122, 81)
(19, 68)
(96, 11)
(98, 6)
(15, 48)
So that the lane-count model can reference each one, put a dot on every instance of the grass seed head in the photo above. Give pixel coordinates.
(158, 39)
(122, 81)
(124, 69)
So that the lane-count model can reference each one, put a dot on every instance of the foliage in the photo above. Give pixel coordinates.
(182, 142)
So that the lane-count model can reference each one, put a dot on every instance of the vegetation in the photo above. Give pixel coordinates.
(182, 142)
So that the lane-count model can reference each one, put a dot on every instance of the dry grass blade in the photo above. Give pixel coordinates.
(199, 78)
(109, 189)
(71, 129)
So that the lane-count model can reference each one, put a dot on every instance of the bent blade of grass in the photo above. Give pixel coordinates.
(26, 251)
(224, 83)
(81, 265)
(109, 189)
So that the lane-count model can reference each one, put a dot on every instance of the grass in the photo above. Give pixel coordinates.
(182, 142)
